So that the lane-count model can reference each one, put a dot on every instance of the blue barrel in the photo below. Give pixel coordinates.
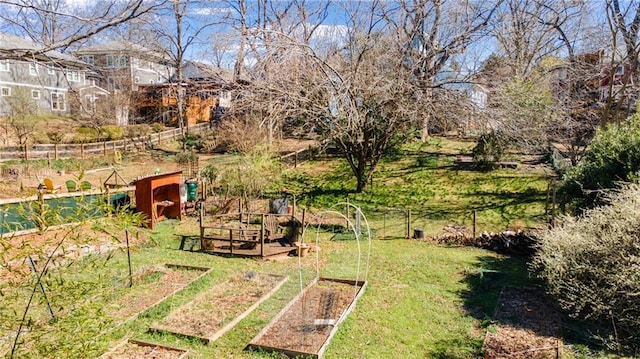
(192, 191)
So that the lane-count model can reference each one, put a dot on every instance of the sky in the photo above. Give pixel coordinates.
(218, 38)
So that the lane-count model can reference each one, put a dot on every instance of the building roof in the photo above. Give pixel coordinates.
(198, 71)
(120, 46)
(12, 46)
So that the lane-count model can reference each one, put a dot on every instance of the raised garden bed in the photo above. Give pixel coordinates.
(307, 324)
(135, 349)
(214, 312)
(528, 326)
(162, 283)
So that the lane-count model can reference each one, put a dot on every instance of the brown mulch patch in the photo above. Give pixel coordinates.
(139, 350)
(78, 241)
(306, 326)
(528, 326)
(170, 281)
(210, 311)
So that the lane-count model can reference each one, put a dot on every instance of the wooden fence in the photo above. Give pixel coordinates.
(60, 151)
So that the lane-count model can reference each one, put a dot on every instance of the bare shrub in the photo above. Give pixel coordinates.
(592, 265)
(238, 135)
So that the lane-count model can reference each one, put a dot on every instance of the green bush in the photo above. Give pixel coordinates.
(613, 156)
(112, 133)
(592, 265)
(489, 150)
(85, 135)
(186, 157)
(210, 173)
(193, 142)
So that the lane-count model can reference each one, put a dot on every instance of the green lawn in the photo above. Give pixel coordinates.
(424, 178)
(422, 300)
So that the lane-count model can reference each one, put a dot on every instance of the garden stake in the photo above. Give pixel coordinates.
(44, 294)
(126, 233)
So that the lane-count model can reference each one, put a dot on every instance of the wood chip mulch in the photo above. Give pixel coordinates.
(528, 326)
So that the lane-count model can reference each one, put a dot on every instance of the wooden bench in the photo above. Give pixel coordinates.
(248, 237)
(272, 231)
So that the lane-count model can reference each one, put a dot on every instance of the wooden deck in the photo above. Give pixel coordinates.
(221, 247)
(241, 247)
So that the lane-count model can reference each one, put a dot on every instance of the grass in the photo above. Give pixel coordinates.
(422, 300)
(423, 178)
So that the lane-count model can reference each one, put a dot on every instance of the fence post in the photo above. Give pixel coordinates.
(104, 148)
(474, 223)
(408, 223)
(55, 151)
(293, 209)
(347, 211)
(262, 236)
(82, 151)
(108, 193)
(295, 159)
(384, 225)
(231, 241)
(26, 152)
(553, 208)
(201, 226)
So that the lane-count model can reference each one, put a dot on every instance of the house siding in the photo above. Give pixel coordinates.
(47, 81)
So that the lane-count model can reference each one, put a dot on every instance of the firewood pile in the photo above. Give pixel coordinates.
(518, 243)
(515, 243)
(456, 235)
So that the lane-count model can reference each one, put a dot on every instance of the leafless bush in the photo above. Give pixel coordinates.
(592, 265)
(238, 135)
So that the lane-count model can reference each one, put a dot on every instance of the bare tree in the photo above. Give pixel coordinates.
(258, 25)
(622, 74)
(546, 87)
(357, 93)
(22, 119)
(57, 25)
(430, 32)
(522, 38)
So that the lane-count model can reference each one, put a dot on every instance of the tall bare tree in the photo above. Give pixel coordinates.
(56, 24)
(357, 91)
(431, 32)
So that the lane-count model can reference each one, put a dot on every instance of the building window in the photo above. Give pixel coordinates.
(33, 69)
(57, 102)
(5, 91)
(90, 102)
(89, 59)
(136, 80)
(35, 94)
(4, 65)
(151, 82)
(51, 68)
(73, 76)
(116, 61)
